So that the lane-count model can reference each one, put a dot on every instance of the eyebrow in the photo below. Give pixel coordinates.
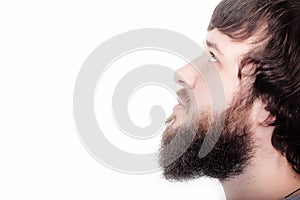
(213, 46)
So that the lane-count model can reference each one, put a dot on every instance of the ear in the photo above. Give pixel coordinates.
(260, 115)
(269, 120)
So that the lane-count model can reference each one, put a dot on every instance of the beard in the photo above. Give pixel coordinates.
(227, 135)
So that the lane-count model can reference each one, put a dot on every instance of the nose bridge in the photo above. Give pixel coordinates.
(188, 75)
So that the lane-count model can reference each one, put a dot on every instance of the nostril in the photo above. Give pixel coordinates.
(178, 79)
(186, 77)
(181, 82)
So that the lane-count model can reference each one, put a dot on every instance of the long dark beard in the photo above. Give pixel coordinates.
(230, 154)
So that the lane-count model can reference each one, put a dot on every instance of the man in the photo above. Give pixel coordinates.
(254, 142)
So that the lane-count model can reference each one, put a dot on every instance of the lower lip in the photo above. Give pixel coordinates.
(177, 107)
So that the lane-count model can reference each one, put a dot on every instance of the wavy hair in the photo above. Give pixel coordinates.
(275, 61)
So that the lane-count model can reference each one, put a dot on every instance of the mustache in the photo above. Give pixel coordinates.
(184, 98)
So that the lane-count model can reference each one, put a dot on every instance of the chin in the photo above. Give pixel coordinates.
(228, 133)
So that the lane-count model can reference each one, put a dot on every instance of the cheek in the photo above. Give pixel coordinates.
(202, 95)
(230, 80)
(230, 87)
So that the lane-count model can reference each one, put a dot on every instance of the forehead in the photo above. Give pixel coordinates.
(229, 47)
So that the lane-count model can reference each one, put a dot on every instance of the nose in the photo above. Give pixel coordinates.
(186, 76)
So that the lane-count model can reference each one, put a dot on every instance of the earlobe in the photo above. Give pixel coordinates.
(269, 120)
(260, 115)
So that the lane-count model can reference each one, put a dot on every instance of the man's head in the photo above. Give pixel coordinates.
(255, 46)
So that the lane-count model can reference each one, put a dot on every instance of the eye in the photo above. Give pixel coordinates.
(213, 58)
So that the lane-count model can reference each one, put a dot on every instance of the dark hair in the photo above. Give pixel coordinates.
(275, 61)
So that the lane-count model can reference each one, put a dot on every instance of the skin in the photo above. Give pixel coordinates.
(270, 176)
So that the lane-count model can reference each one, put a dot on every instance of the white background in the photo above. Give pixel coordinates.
(42, 47)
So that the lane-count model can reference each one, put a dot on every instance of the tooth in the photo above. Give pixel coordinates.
(167, 124)
(170, 120)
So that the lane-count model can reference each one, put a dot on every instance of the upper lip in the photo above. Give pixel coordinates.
(180, 101)
(182, 97)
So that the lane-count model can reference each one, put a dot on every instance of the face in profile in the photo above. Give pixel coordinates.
(197, 124)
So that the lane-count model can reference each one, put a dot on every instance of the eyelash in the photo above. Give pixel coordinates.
(213, 57)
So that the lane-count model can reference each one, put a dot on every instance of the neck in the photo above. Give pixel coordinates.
(268, 186)
(269, 176)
